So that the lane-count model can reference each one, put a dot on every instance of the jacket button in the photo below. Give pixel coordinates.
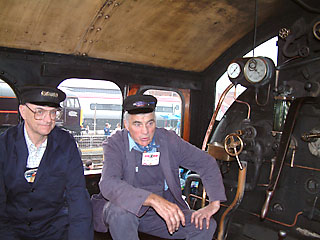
(32, 190)
(29, 224)
(30, 209)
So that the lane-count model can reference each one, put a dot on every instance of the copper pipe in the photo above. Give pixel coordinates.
(204, 196)
(281, 223)
(195, 196)
(209, 130)
(235, 203)
(268, 96)
(272, 220)
(239, 101)
(214, 116)
(304, 167)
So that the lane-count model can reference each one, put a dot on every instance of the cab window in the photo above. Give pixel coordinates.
(168, 110)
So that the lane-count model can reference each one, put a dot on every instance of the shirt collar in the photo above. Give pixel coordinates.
(132, 143)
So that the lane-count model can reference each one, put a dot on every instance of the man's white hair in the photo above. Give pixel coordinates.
(126, 116)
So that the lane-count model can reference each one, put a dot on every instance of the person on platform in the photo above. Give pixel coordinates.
(107, 130)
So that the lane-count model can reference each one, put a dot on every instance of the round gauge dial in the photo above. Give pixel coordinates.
(316, 30)
(234, 70)
(255, 70)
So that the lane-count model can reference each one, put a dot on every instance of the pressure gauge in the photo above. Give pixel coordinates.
(234, 70)
(251, 72)
(255, 70)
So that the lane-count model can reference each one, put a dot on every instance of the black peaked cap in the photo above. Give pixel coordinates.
(42, 95)
(136, 104)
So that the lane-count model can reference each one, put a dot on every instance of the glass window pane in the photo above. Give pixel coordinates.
(168, 110)
(91, 105)
(8, 107)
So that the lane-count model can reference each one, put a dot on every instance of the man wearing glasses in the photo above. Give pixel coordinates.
(42, 186)
(140, 178)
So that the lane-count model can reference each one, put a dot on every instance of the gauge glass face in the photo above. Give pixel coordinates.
(255, 70)
(234, 70)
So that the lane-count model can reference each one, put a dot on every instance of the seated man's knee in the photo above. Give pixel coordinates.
(113, 214)
(213, 226)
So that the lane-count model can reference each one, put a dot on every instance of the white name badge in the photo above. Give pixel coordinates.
(150, 159)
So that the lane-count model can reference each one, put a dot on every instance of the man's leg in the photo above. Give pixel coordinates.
(122, 224)
(194, 233)
(151, 223)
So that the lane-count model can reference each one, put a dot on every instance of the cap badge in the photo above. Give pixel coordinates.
(49, 94)
(142, 104)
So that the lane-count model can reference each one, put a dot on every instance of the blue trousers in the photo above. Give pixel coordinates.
(125, 225)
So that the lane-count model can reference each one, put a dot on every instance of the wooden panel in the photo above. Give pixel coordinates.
(186, 119)
(182, 35)
(46, 25)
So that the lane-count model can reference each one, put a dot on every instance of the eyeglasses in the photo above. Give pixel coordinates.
(39, 113)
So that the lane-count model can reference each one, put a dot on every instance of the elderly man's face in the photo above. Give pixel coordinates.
(37, 128)
(141, 127)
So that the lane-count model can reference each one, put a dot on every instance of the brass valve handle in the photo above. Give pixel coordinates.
(233, 145)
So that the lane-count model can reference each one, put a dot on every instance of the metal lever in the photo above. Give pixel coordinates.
(266, 204)
(283, 149)
(293, 156)
(238, 160)
(310, 137)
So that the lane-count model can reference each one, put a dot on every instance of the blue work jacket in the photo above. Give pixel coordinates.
(57, 200)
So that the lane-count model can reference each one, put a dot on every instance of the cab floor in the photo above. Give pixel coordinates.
(107, 236)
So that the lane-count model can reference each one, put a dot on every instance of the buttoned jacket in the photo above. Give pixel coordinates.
(58, 196)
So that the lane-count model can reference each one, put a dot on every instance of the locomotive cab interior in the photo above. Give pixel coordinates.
(266, 142)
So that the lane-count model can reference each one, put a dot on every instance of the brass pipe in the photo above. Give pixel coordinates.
(204, 196)
(236, 201)
(273, 220)
(214, 116)
(281, 223)
(268, 96)
(239, 101)
(304, 167)
(209, 130)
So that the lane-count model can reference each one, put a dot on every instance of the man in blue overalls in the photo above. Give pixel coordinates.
(140, 178)
(43, 194)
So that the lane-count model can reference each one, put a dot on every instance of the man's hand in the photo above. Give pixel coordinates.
(169, 211)
(205, 213)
